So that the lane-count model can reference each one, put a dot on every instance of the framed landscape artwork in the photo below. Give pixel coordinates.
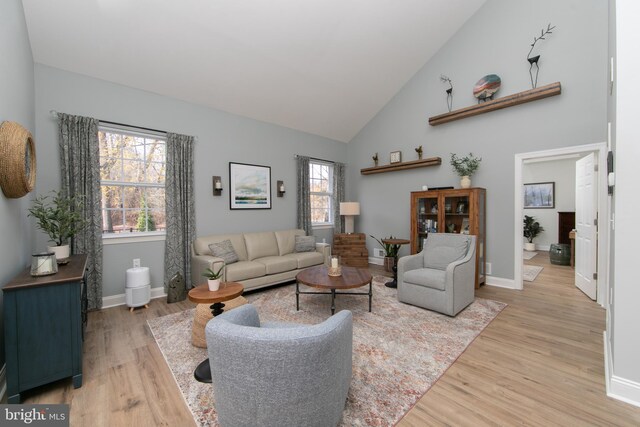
(539, 195)
(250, 186)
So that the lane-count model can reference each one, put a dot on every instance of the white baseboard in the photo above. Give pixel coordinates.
(500, 282)
(375, 260)
(618, 388)
(116, 300)
(3, 382)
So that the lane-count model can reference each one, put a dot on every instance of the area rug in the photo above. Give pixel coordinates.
(530, 272)
(400, 351)
(528, 254)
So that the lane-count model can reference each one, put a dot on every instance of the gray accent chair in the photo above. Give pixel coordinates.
(279, 374)
(441, 277)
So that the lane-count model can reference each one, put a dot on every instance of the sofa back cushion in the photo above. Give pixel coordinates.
(441, 249)
(287, 240)
(201, 244)
(260, 245)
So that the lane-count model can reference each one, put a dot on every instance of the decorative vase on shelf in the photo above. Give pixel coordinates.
(214, 284)
(465, 181)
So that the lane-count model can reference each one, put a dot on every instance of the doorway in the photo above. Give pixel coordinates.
(600, 150)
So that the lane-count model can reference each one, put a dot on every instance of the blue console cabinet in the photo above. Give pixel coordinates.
(44, 319)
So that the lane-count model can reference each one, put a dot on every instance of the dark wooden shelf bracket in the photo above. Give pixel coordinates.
(422, 163)
(552, 89)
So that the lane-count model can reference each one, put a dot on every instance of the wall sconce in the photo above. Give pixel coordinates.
(217, 186)
(280, 188)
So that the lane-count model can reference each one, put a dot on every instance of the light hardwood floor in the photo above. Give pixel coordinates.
(540, 362)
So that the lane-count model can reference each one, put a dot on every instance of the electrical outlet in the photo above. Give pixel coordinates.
(136, 262)
(378, 253)
(488, 269)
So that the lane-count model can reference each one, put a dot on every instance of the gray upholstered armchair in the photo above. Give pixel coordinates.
(441, 277)
(275, 374)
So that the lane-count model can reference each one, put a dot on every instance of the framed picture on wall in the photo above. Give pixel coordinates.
(250, 186)
(539, 195)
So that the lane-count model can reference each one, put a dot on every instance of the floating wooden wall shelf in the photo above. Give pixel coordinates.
(497, 104)
(431, 161)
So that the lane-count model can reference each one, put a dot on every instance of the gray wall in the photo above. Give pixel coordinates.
(222, 138)
(495, 40)
(16, 104)
(563, 173)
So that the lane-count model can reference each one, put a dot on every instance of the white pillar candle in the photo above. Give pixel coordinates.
(334, 262)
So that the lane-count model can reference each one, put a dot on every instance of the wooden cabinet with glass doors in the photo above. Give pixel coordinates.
(450, 211)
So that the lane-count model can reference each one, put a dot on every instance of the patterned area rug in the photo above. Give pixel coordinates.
(400, 351)
(528, 254)
(530, 272)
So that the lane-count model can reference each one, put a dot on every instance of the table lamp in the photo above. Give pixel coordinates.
(349, 210)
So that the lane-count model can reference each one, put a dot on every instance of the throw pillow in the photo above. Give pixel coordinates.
(305, 243)
(225, 251)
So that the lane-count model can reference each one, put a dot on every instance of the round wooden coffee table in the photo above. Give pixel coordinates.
(202, 295)
(318, 277)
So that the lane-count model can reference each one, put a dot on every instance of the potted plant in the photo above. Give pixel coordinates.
(531, 228)
(59, 217)
(465, 167)
(213, 278)
(390, 252)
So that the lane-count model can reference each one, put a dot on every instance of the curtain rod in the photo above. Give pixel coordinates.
(54, 113)
(295, 156)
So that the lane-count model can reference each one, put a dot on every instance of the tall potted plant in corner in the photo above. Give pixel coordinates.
(531, 228)
(59, 217)
(465, 167)
(390, 252)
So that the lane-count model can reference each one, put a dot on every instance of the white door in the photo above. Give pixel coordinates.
(586, 228)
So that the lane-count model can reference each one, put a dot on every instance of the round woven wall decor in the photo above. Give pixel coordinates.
(17, 160)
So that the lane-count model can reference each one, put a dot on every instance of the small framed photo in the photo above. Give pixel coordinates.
(395, 157)
(462, 207)
(539, 195)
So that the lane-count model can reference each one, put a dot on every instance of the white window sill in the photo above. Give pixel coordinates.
(321, 226)
(119, 239)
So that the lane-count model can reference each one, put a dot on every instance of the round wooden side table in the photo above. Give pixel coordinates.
(202, 295)
(396, 243)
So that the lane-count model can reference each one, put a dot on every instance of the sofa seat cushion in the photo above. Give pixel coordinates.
(427, 277)
(306, 259)
(261, 245)
(243, 270)
(277, 264)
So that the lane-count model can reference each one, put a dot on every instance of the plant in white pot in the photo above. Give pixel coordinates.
(213, 278)
(531, 228)
(465, 167)
(59, 217)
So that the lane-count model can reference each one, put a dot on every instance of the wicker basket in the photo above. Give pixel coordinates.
(17, 160)
(202, 317)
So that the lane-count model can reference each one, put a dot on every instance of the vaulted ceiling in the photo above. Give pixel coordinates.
(324, 67)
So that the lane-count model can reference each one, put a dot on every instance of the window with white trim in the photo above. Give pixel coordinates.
(321, 192)
(132, 177)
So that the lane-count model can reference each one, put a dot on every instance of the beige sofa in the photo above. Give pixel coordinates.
(265, 258)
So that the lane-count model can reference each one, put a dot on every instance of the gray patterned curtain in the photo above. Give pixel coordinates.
(338, 196)
(180, 208)
(304, 200)
(80, 169)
